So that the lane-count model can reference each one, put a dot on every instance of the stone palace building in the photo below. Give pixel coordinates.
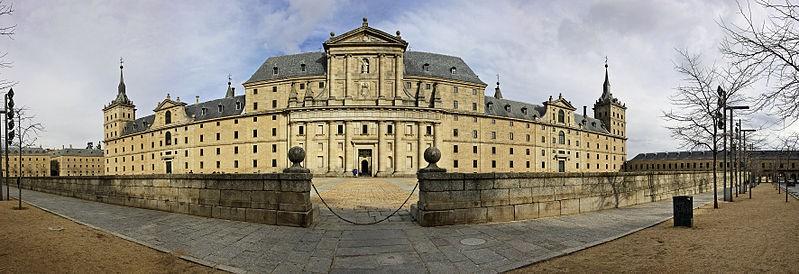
(365, 103)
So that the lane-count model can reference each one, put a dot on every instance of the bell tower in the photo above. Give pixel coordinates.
(119, 112)
(610, 110)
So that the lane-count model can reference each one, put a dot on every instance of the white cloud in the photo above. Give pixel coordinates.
(66, 53)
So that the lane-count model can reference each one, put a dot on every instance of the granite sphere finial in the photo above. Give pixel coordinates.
(296, 156)
(432, 155)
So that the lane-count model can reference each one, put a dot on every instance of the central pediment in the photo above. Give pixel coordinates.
(365, 36)
(168, 103)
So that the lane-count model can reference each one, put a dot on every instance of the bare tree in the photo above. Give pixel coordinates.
(772, 48)
(697, 115)
(28, 131)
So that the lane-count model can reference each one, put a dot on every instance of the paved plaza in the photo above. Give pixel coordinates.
(398, 245)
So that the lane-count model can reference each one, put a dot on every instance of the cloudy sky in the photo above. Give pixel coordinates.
(66, 53)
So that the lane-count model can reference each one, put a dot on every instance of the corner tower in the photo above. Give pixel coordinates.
(610, 110)
(119, 112)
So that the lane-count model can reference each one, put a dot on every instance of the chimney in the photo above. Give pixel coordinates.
(197, 99)
(585, 117)
(584, 109)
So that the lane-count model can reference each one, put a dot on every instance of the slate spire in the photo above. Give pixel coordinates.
(497, 92)
(122, 97)
(230, 90)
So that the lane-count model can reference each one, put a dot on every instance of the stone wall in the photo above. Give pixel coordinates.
(278, 199)
(463, 198)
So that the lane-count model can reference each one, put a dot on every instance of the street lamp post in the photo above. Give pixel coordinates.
(747, 162)
(731, 108)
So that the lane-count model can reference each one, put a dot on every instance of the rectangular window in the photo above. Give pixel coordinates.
(218, 164)
(408, 129)
(274, 103)
(493, 135)
(235, 150)
(474, 149)
(474, 163)
(254, 163)
(218, 151)
(218, 136)
(301, 130)
(274, 89)
(455, 164)
(254, 133)
(455, 149)
(320, 129)
(364, 129)
(493, 150)
(429, 130)
(474, 134)
(255, 106)
(390, 129)
(254, 148)
(474, 106)
(493, 164)
(455, 105)
(274, 162)
(455, 132)
(274, 148)
(340, 129)
(235, 134)
(274, 131)
(236, 164)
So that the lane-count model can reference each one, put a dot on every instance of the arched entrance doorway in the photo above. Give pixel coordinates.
(365, 170)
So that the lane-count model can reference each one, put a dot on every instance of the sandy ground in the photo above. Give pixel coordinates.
(35, 241)
(758, 235)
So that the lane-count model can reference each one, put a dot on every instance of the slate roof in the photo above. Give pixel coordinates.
(78, 152)
(708, 155)
(289, 66)
(194, 110)
(26, 151)
(440, 66)
(533, 111)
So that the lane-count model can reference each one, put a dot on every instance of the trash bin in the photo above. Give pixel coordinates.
(683, 210)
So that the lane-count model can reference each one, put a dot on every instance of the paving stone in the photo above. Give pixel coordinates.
(336, 246)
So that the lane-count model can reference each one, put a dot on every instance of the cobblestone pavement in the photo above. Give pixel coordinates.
(364, 200)
(333, 246)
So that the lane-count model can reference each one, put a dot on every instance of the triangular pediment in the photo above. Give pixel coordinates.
(365, 35)
(168, 103)
(561, 103)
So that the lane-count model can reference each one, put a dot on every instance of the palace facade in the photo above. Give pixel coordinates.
(42, 162)
(761, 162)
(365, 103)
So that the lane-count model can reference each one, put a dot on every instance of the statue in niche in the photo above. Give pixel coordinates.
(364, 65)
(364, 89)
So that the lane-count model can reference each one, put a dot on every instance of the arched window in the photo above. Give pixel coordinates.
(302, 67)
(426, 67)
(364, 65)
(168, 117)
(453, 70)
(168, 138)
(274, 70)
(561, 138)
(561, 116)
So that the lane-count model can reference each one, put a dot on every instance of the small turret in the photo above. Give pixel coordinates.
(497, 92)
(231, 91)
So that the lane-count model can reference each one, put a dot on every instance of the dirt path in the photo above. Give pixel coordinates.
(758, 235)
(35, 241)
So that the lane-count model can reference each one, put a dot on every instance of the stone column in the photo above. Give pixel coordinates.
(289, 130)
(330, 145)
(438, 136)
(397, 78)
(307, 141)
(420, 146)
(347, 94)
(380, 79)
(397, 155)
(347, 148)
(380, 155)
(330, 77)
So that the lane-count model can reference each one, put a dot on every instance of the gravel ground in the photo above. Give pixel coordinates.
(757, 235)
(35, 241)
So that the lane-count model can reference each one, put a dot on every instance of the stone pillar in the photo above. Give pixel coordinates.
(380, 155)
(420, 146)
(289, 130)
(330, 145)
(307, 140)
(330, 77)
(397, 155)
(348, 167)
(438, 135)
(397, 80)
(347, 94)
(380, 79)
